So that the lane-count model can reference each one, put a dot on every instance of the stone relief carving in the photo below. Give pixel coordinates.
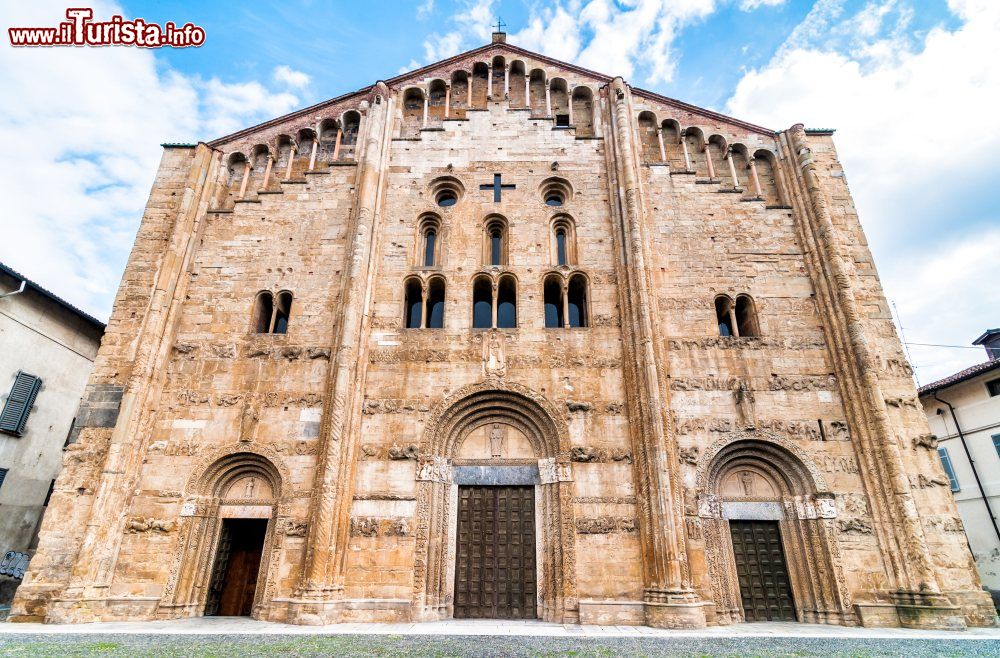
(369, 451)
(547, 472)
(614, 408)
(434, 469)
(745, 403)
(494, 353)
(185, 348)
(574, 406)
(140, 524)
(584, 454)
(689, 455)
(178, 448)
(380, 527)
(857, 526)
(291, 528)
(398, 453)
(188, 398)
(300, 448)
(926, 482)
(947, 524)
(693, 529)
(373, 406)
(927, 441)
(744, 343)
(248, 421)
(605, 525)
(837, 464)
(594, 455)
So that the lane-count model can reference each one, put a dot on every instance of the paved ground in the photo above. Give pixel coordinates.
(221, 636)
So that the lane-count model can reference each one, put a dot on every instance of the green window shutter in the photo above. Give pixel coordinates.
(3, 475)
(19, 403)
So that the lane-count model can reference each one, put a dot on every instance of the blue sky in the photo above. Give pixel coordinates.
(911, 86)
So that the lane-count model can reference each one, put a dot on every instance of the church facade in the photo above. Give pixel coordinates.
(503, 337)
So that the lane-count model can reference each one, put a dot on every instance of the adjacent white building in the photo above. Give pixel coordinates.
(47, 349)
(964, 415)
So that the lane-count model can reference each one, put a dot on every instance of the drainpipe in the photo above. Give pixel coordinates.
(16, 292)
(972, 463)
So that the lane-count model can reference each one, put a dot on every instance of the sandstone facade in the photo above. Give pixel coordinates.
(645, 433)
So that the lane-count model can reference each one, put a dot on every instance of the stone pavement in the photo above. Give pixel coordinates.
(492, 627)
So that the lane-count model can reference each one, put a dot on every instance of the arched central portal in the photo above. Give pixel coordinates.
(495, 528)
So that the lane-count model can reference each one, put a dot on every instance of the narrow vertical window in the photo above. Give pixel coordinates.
(746, 317)
(723, 316)
(435, 303)
(263, 310)
(414, 304)
(949, 469)
(496, 246)
(482, 303)
(553, 303)
(430, 238)
(283, 312)
(561, 247)
(507, 303)
(576, 295)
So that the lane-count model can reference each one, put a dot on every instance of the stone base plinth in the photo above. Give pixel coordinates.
(928, 610)
(613, 612)
(675, 615)
(977, 607)
(877, 615)
(310, 612)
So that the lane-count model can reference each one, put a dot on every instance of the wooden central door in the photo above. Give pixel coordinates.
(236, 568)
(763, 575)
(495, 560)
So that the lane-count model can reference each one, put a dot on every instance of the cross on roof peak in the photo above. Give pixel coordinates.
(500, 24)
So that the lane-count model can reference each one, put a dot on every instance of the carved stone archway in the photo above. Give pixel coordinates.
(531, 414)
(760, 476)
(244, 480)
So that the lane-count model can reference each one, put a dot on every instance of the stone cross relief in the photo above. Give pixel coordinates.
(498, 187)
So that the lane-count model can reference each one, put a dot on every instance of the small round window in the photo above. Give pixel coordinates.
(446, 198)
(554, 199)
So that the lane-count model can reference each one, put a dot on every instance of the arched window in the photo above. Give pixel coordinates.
(516, 88)
(263, 309)
(576, 302)
(724, 315)
(507, 303)
(647, 137)
(715, 151)
(300, 164)
(499, 68)
(282, 312)
(349, 141)
(459, 93)
(764, 162)
(583, 111)
(480, 79)
(284, 156)
(672, 147)
(329, 138)
(553, 292)
(746, 317)
(413, 112)
(559, 98)
(259, 162)
(482, 303)
(563, 241)
(435, 303)
(436, 99)
(536, 91)
(428, 241)
(495, 247)
(695, 141)
(413, 304)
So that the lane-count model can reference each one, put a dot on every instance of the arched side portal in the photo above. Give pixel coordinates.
(755, 479)
(240, 482)
(478, 408)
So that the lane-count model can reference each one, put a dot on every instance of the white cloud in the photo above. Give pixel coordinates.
(289, 77)
(84, 126)
(425, 9)
(750, 5)
(917, 132)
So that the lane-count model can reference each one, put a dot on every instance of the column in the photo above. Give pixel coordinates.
(426, 101)
(659, 139)
(569, 103)
(732, 321)
(291, 156)
(495, 289)
(336, 144)
(317, 599)
(756, 181)
(468, 88)
(312, 155)
(732, 168)
(527, 90)
(267, 171)
(668, 598)
(687, 156)
(548, 100)
(423, 304)
(506, 81)
(708, 160)
(489, 82)
(447, 99)
(565, 303)
(246, 179)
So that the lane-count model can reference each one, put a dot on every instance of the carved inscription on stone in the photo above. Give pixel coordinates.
(605, 525)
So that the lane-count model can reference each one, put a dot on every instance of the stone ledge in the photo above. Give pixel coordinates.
(259, 192)
(682, 172)
(294, 181)
(247, 201)
(221, 211)
(317, 172)
(342, 163)
(734, 190)
(707, 181)
(778, 207)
